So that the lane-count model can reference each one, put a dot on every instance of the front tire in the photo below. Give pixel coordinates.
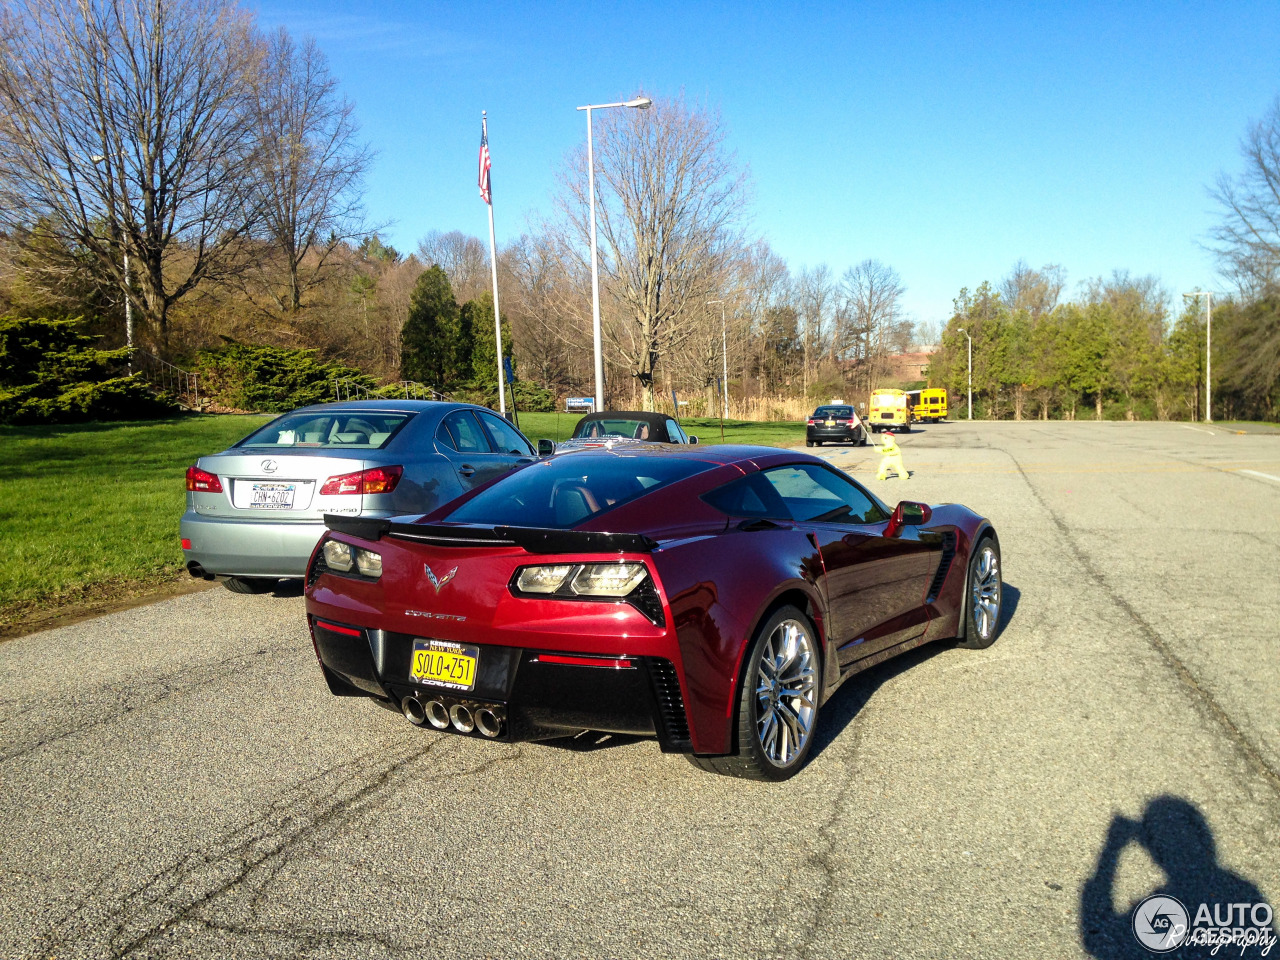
(250, 584)
(778, 702)
(983, 590)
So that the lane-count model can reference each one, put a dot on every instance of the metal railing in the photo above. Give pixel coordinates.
(167, 378)
(413, 390)
(348, 389)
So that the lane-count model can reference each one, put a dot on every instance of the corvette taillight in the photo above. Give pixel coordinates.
(373, 480)
(198, 481)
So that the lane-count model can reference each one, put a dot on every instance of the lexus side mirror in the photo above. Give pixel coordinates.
(693, 439)
(546, 448)
(907, 514)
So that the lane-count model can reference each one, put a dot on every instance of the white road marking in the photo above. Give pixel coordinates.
(1265, 476)
(1197, 429)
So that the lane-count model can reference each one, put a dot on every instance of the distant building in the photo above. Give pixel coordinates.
(909, 367)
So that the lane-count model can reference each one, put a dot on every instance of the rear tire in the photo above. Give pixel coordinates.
(250, 584)
(808, 443)
(983, 589)
(777, 704)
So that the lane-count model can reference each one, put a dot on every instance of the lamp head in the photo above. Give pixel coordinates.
(639, 103)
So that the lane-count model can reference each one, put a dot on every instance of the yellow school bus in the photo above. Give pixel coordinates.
(888, 410)
(927, 406)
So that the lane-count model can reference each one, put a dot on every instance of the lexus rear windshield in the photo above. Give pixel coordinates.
(359, 430)
(567, 491)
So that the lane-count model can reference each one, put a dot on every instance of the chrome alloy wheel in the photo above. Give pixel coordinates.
(784, 692)
(985, 592)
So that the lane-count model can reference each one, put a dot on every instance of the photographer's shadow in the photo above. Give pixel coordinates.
(1179, 840)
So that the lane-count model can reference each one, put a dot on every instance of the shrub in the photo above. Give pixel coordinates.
(51, 373)
(270, 379)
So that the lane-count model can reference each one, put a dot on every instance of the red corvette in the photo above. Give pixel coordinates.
(711, 597)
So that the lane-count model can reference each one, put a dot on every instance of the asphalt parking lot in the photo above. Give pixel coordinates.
(177, 781)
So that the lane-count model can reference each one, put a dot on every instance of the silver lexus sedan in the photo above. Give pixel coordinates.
(256, 510)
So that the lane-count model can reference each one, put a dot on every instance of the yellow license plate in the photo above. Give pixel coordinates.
(831, 423)
(444, 664)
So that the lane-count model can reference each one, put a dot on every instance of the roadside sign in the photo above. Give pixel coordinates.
(580, 404)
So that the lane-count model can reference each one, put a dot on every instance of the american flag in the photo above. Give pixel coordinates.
(485, 164)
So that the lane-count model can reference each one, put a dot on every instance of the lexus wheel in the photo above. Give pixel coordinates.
(250, 584)
(778, 703)
(982, 596)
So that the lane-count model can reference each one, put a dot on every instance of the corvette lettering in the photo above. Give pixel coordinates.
(435, 616)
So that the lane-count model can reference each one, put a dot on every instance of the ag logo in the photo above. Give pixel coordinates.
(440, 581)
(1160, 923)
(269, 466)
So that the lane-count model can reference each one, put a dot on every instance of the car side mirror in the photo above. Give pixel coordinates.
(692, 438)
(908, 513)
(546, 448)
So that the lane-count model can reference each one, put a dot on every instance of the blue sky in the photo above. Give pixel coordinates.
(945, 140)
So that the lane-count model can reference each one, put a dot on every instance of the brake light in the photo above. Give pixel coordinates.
(373, 480)
(198, 481)
(186, 543)
(812, 421)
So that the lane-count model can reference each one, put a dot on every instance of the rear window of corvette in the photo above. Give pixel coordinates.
(563, 492)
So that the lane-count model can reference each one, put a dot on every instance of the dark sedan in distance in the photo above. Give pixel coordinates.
(712, 598)
(834, 423)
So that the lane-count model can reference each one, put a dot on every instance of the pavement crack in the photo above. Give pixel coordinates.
(108, 704)
(1208, 704)
(247, 858)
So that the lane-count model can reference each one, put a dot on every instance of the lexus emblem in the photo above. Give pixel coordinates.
(270, 466)
(439, 582)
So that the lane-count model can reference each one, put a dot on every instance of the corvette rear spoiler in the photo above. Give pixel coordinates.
(531, 539)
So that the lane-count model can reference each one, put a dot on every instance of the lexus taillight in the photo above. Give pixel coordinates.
(198, 481)
(373, 480)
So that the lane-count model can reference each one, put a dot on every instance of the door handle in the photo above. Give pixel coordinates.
(466, 470)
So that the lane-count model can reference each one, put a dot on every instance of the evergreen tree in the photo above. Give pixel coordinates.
(430, 338)
(484, 350)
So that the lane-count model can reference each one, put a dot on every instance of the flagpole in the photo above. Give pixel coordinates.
(493, 263)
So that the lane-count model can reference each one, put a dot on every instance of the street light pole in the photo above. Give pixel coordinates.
(970, 339)
(639, 103)
(1208, 350)
(724, 356)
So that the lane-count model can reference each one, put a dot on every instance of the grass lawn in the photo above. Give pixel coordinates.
(89, 509)
(94, 505)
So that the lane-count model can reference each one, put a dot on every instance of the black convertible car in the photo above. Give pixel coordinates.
(628, 425)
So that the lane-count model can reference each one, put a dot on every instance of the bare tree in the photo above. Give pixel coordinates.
(310, 167)
(873, 293)
(464, 259)
(816, 290)
(1248, 237)
(669, 202)
(1036, 291)
(125, 127)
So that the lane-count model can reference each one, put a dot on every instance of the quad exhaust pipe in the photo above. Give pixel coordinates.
(488, 722)
(463, 717)
(413, 711)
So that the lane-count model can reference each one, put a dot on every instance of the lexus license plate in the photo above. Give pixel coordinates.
(444, 664)
(273, 496)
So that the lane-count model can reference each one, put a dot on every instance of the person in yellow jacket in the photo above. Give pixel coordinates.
(891, 459)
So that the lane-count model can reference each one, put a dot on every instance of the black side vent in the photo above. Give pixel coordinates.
(948, 554)
(666, 689)
(318, 566)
